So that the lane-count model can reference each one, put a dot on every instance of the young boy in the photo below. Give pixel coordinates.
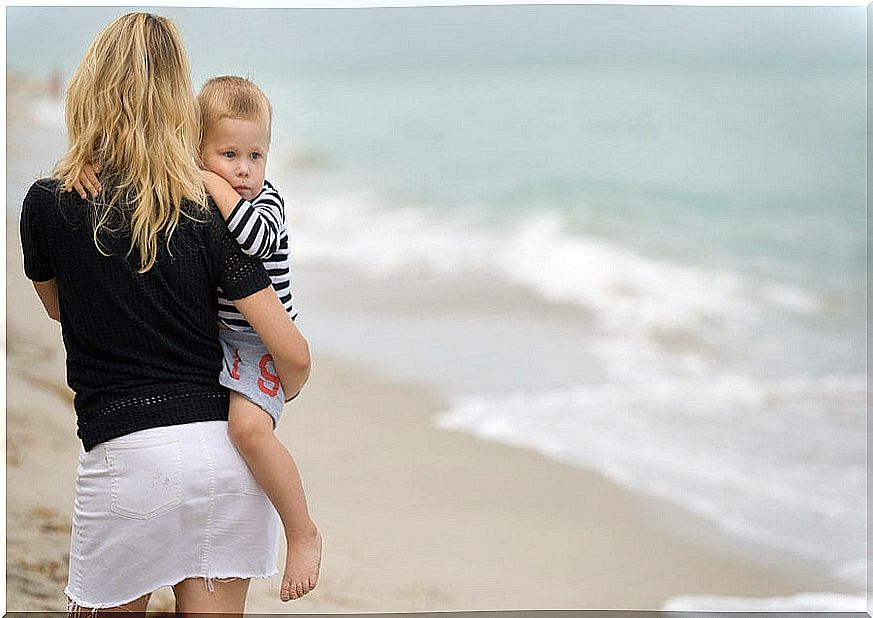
(236, 118)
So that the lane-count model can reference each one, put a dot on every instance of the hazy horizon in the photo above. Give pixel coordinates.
(267, 39)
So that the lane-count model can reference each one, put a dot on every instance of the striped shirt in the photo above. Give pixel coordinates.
(260, 230)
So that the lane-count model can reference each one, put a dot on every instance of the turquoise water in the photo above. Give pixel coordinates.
(753, 172)
(759, 168)
(708, 221)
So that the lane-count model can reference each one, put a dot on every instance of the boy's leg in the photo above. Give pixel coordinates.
(251, 431)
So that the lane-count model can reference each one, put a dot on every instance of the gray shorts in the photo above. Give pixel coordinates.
(248, 369)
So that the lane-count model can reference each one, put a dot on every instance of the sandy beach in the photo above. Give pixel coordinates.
(414, 518)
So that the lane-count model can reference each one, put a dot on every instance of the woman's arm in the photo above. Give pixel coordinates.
(48, 294)
(289, 348)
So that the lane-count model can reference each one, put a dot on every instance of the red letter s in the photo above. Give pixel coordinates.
(268, 376)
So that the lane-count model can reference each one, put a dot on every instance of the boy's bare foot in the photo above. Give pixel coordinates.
(302, 565)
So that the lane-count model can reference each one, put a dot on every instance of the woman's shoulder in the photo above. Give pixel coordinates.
(43, 188)
(206, 218)
(43, 196)
(202, 224)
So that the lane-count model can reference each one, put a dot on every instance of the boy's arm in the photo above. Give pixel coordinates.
(255, 225)
(224, 196)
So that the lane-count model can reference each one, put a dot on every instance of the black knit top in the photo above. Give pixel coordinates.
(142, 349)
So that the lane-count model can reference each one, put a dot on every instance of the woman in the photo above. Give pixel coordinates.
(162, 498)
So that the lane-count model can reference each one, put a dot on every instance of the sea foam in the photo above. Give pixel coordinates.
(776, 462)
(624, 289)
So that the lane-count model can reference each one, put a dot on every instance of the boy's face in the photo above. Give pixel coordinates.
(236, 150)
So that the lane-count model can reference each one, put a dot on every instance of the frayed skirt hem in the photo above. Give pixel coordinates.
(76, 603)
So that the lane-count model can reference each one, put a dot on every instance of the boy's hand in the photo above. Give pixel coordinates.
(87, 180)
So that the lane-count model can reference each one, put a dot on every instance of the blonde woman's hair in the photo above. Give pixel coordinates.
(130, 108)
(230, 96)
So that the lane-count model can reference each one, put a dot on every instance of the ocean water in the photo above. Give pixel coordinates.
(686, 235)
(705, 222)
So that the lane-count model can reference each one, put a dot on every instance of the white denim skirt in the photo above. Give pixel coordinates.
(161, 505)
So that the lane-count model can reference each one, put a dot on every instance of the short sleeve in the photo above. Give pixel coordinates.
(35, 231)
(239, 275)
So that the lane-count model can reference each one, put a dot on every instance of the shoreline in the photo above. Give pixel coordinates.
(414, 518)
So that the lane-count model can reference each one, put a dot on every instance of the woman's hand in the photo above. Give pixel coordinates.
(287, 345)
(87, 180)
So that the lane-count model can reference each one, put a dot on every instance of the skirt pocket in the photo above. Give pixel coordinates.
(145, 476)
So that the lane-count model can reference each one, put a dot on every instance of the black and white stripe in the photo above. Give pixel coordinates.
(259, 228)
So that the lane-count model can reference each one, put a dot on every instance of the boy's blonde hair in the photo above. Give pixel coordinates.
(130, 108)
(230, 96)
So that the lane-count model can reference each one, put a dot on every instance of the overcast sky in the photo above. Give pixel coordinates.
(39, 38)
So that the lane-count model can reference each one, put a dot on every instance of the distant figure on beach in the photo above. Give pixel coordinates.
(236, 119)
(162, 495)
(55, 84)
